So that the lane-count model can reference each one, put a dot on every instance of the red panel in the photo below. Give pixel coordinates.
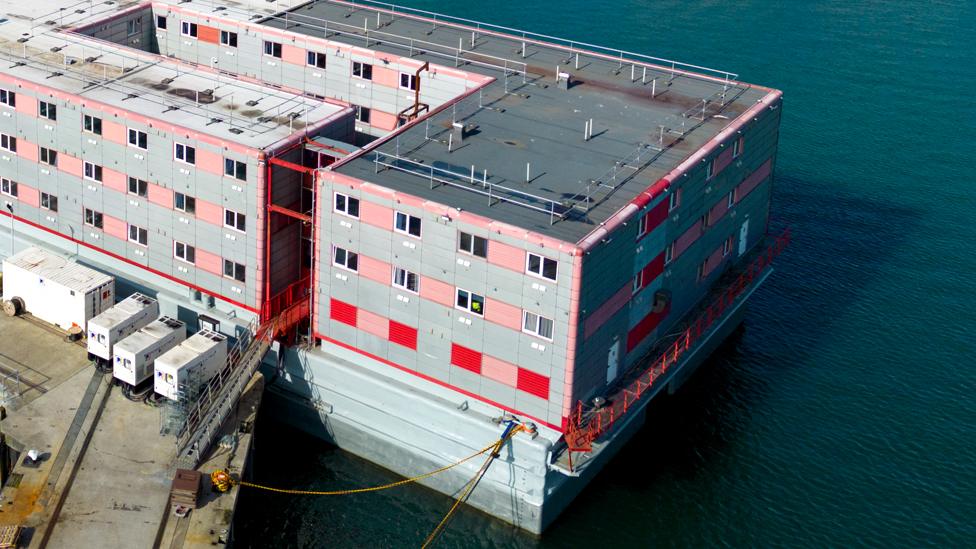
(645, 327)
(401, 334)
(208, 34)
(342, 312)
(462, 357)
(655, 216)
(533, 383)
(652, 270)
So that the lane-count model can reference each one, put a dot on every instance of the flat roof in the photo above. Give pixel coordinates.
(524, 123)
(36, 45)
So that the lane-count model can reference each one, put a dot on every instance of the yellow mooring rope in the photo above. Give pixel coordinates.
(223, 481)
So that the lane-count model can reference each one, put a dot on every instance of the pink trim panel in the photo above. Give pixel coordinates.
(722, 161)
(26, 104)
(719, 210)
(28, 150)
(382, 120)
(687, 239)
(28, 195)
(437, 291)
(114, 227)
(210, 162)
(116, 133)
(375, 270)
(293, 55)
(503, 314)
(161, 196)
(753, 181)
(386, 77)
(506, 256)
(373, 324)
(606, 311)
(376, 215)
(499, 370)
(210, 212)
(114, 180)
(70, 165)
(209, 262)
(713, 261)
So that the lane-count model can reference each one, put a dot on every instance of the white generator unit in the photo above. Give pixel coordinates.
(191, 365)
(105, 330)
(54, 289)
(135, 355)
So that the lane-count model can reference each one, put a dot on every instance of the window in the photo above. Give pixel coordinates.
(709, 169)
(408, 81)
(674, 200)
(138, 139)
(8, 98)
(727, 245)
(470, 302)
(405, 279)
(188, 29)
(731, 201)
(93, 218)
(49, 157)
(184, 252)
(234, 270)
(407, 224)
(362, 114)
(228, 38)
(8, 142)
(701, 271)
(93, 171)
(185, 153)
(234, 220)
(315, 59)
(233, 168)
(138, 235)
(669, 253)
(133, 27)
(362, 70)
(138, 187)
(474, 245)
(347, 205)
(49, 202)
(161, 22)
(537, 325)
(184, 203)
(737, 147)
(93, 124)
(345, 259)
(638, 282)
(8, 187)
(47, 110)
(541, 266)
(704, 219)
(272, 48)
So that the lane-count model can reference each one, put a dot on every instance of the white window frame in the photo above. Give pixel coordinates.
(474, 238)
(362, 69)
(8, 187)
(47, 110)
(727, 246)
(363, 114)
(234, 267)
(97, 218)
(142, 187)
(237, 169)
(88, 124)
(669, 253)
(348, 202)
(188, 29)
(139, 137)
(47, 156)
(141, 234)
(97, 173)
(133, 27)
(268, 49)
(404, 284)
(732, 193)
(542, 267)
(674, 200)
(737, 148)
(186, 149)
(710, 169)
(8, 143)
(469, 296)
(8, 98)
(189, 203)
(228, 38)
(239, 219)
(49, 202)
(637, 283)
(411, 81)
(312, 59)
(189, 252)
(408, 217)
(347, 258)
(161, 22)
(537, 330)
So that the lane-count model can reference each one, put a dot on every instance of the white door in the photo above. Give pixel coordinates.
(743, 237)
(613, 361)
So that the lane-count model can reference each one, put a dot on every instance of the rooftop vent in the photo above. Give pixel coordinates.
(56, 49)
(236, 131)
(265, 119)
(252, 103)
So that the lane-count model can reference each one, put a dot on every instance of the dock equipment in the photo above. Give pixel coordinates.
(119, 322)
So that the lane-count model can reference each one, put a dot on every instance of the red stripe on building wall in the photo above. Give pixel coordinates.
(462, 357)
(654, 217)
(208, 34)
(533, 383)
(652, 270)
(645, 327)
(342, 312)
(401, 334)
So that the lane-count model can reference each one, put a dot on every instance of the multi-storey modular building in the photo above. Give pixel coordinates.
(489, 224)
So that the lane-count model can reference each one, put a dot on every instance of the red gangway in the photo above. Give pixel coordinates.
(585, 427)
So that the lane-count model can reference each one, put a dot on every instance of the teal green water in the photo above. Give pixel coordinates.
(844, 413)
